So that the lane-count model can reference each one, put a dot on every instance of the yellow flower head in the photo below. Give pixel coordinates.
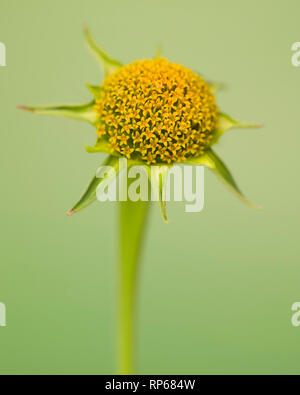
(158, 110)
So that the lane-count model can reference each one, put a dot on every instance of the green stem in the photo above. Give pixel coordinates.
(132, 223)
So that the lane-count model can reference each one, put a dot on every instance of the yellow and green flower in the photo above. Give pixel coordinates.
(152, 112)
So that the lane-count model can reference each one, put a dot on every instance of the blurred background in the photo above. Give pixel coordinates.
(216, 288)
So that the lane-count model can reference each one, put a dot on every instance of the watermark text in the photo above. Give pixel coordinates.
(180, 183)
(2, 55)
(296, 54)
(2, 314)
(296, 315)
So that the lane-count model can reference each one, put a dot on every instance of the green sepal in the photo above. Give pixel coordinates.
(108, 64)
(225, 123)
(95, 90)
(101, 145)
(84, 112)
(215, 164)
(90, 195)
(216, 86)
(159, 187)
(158, 52)
(202, 160)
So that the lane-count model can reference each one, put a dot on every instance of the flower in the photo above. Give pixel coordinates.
(151, 111)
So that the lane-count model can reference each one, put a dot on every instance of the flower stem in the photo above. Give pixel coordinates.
(132, 223)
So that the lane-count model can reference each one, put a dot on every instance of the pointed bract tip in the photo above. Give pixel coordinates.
(84, 26)
(254, 206)
(70, 213)
(165, 218)
(249, 125)
(24, 108)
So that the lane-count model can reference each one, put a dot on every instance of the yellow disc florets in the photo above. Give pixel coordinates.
(157, 111)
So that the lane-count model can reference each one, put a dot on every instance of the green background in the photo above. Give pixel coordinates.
(216, 287)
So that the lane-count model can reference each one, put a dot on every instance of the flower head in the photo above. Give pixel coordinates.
(151, 112)
(157, 110)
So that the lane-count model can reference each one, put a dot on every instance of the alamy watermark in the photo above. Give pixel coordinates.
(2, 314)
(2, 55)
(296, 315)
(180, 183)
(296, 55)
